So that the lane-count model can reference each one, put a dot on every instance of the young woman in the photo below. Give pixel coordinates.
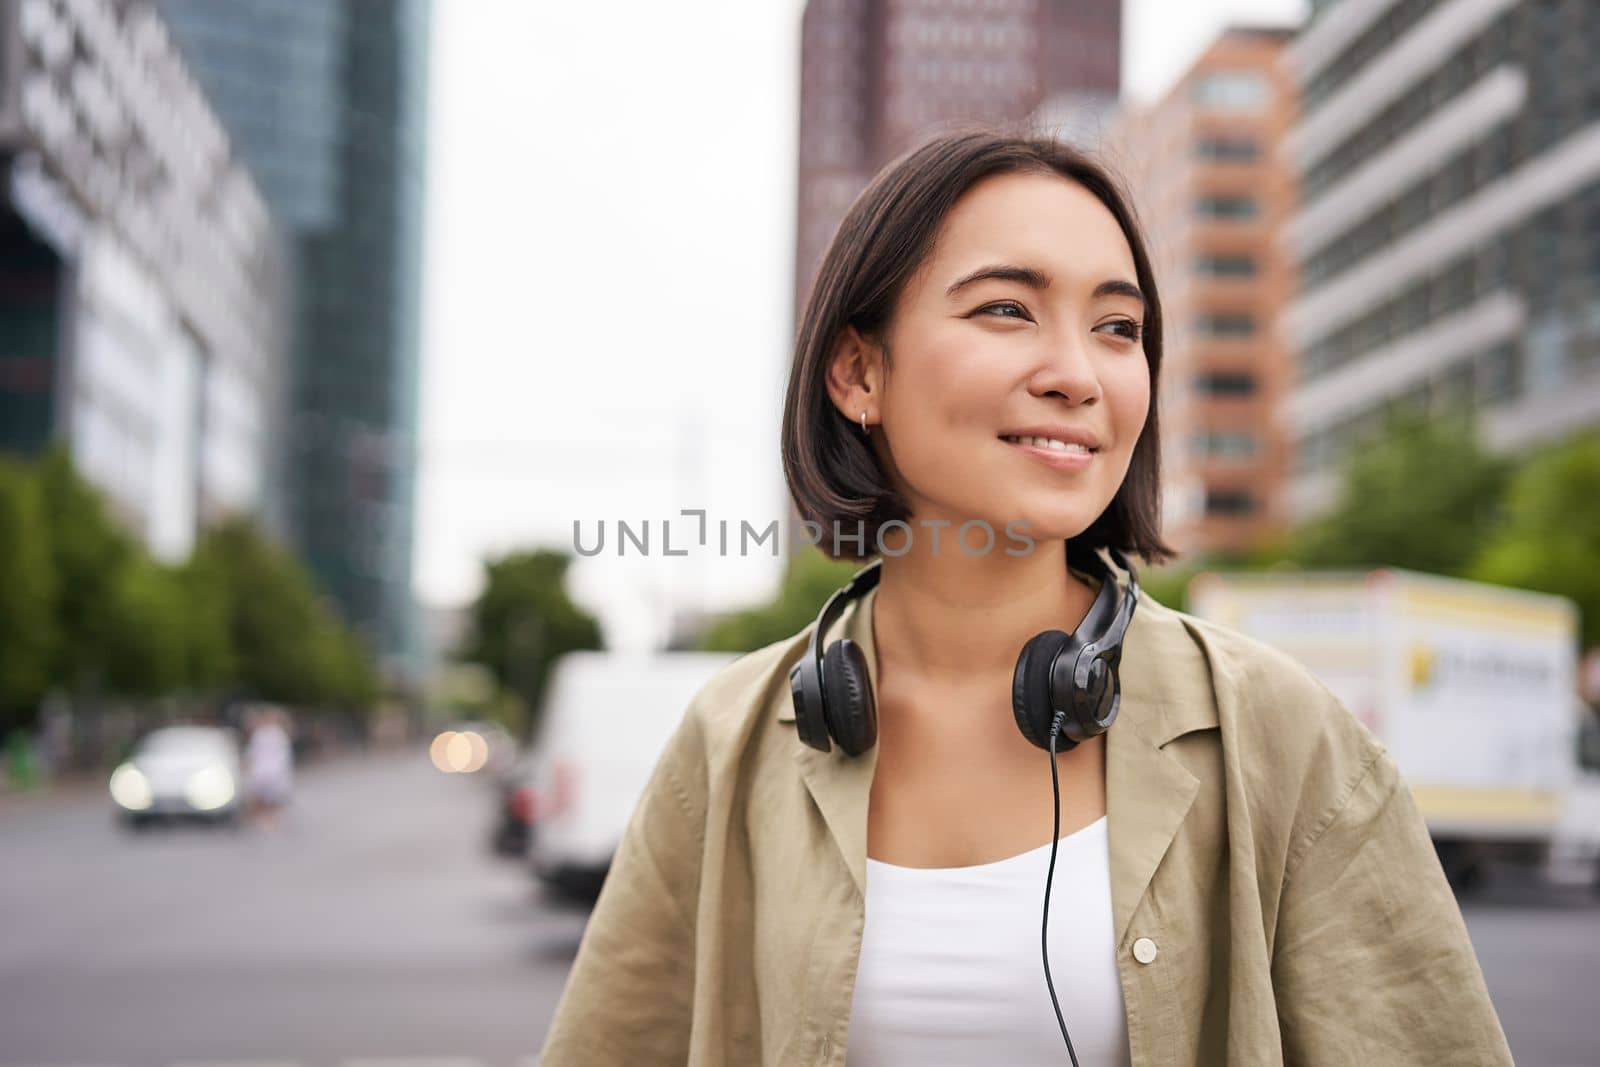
(843, 853)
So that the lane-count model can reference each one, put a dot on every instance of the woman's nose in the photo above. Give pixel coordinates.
(1067, 371)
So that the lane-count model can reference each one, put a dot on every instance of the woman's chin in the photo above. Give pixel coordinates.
(1048, 525)
(1016, 538)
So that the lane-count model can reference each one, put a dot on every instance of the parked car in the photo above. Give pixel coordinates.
(180, 771)
(606, 721)
(516, 808)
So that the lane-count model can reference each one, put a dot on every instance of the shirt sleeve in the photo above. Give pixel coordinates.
(1371, 960)
(629, 996)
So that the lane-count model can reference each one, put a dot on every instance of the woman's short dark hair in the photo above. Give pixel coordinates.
(884, 238)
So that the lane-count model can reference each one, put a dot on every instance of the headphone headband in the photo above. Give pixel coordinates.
(1088, 559)
(859, 585)
(1119, 626)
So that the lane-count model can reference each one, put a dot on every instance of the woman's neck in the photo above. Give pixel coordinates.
(948, 617)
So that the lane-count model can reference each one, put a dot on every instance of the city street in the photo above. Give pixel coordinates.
(372, 928)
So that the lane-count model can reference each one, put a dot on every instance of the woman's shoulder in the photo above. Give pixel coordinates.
(1300, 757)
(739, 698)
(1264, 700)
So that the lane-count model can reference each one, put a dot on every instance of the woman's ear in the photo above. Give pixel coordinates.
(854, 374)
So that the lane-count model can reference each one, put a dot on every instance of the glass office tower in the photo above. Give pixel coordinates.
(326, 101)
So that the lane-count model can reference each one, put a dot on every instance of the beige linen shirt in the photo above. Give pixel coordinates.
(1275, 894)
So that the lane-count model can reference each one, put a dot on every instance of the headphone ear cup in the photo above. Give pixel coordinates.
(1102, 698)
(851, 708)
(1030, 685)
(808, 716)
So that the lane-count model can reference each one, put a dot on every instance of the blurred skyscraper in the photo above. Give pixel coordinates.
(1214, 191)
(876, 76)
(326, 99)
(1449, 235)
(141, 279)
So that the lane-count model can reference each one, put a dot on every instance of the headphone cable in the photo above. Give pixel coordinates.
(1044, 944)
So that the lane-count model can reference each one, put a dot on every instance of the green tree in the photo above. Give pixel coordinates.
(145, 631)
(810, 578)
(89, 550)
(345, 674)
(1169, 585)
(209, 662)
(1424, 496)
(523, 621)
(287, 645)
(27, 598)
(1550, 539)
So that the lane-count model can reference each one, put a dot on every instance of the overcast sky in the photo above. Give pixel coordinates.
(608, 278)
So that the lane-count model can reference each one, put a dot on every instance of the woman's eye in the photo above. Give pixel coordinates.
(1127, 329)
(1004, 305)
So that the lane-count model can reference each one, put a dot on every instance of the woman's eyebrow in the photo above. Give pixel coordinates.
(1119, 287)
(1038, 279)
(1033, 279)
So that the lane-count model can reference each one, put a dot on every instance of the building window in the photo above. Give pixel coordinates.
(1314, 452)
(1225, 383)
(1225, 325)
(1225, 266)
(1224, 444)
(1226, 207)
(1231, 90)
(1226, 148)
(1229, 502)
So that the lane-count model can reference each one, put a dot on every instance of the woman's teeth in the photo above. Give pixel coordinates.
(1047, 442)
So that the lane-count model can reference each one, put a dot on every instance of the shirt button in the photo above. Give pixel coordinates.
(1144, 950)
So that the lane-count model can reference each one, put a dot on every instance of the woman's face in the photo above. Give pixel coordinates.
(1025, 322)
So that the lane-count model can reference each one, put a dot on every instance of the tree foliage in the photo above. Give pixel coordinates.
(523, 621)
(1169, 584)
(809, 580)
(145, 631)
(28, 630)
(1424, 496)
(84, 608)
(283, 640)
(90, 549)
(209, 663)
(1550, 539)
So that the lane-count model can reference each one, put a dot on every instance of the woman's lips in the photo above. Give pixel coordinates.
(1063, 459)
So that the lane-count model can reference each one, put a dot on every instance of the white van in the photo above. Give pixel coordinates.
(606, 721)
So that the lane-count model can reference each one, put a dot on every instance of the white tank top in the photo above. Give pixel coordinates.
(951, 973)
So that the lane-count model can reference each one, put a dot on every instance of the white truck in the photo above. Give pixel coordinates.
(1471, 687)
(606, 721)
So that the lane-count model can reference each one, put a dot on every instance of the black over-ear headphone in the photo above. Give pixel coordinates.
(1073, 675)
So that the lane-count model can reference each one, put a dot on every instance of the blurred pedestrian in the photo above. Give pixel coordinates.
(268, 765)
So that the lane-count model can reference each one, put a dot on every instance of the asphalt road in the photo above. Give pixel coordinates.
(373, 928)
(370, 928)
